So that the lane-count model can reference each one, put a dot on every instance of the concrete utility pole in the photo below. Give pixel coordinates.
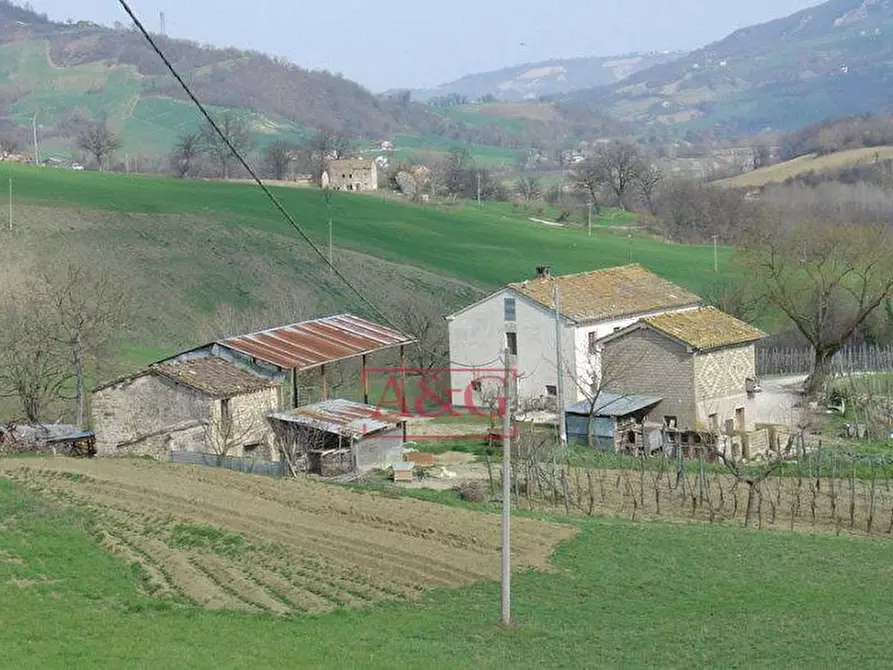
(34, 132)
(559, 365)
(715, 256)
(589, 205)
(479, 189)
(10, 200)
(506, 617)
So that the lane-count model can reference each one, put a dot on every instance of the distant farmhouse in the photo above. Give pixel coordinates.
(238, 398)
(358, 174)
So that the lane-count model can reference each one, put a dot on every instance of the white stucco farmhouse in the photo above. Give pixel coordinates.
(521, 318)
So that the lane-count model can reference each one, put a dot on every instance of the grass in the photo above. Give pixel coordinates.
(620, 595)
(806, 164)
(488, 246)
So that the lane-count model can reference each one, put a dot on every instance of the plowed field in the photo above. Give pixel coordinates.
(225, 540)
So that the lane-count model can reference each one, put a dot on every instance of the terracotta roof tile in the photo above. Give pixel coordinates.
(608, 293)
(351, 164)
(213, 376)
(705, 328)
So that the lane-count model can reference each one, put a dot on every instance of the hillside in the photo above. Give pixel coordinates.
(75, 73)
(189, 248)
(827, 61)
(547, 78)
(811, 163)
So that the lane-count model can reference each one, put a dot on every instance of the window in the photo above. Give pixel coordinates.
(476, 385)
(713, 421)
(251, 448)
(224, 410)
(511, 343)
(593, 338)
(509, 309)
(551, 390)
(670, 421)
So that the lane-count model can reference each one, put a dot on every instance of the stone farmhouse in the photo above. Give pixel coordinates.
(521, 317)
(351, 175)
(231, 398)
(700, 364)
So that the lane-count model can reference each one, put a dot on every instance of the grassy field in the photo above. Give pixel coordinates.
(488, 246)
(619, 594)
(805, 164)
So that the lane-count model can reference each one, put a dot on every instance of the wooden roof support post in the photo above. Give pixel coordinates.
(294, 388)
(325, 385)
(403, 379)
(365, 382)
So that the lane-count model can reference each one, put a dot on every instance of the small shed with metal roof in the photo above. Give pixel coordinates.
(339, 436)
(597, 421)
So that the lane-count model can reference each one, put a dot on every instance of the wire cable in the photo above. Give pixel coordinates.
(273, 199)
(270, 195)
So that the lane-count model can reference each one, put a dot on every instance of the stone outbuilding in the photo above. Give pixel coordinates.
(357, 174)
(701, 363)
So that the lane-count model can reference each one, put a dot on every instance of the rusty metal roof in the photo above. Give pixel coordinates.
(313, 343)
(342, 417)
(608, 293)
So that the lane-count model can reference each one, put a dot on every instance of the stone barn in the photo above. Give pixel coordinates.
(701, 363)
(358, 174)
(219, 399)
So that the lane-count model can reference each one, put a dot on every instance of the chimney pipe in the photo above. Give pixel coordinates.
(543, 271)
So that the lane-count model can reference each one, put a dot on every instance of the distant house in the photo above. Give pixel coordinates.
(521, 318)
(351, 175)
(700, 363)
(223, 398)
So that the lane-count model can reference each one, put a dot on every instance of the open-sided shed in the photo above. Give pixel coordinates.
(336, 437)
(609, 413)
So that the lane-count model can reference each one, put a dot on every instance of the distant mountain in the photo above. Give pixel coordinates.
(547, 78)
(832, 60)
(73, 73)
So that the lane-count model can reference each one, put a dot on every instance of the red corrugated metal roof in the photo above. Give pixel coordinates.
(342, 417)
(313, 343)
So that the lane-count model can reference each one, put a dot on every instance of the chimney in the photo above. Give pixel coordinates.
(543, 271)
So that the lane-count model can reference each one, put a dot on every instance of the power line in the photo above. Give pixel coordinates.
(273, 199)
(276, 203)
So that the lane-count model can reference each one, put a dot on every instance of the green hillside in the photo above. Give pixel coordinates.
(188, 247)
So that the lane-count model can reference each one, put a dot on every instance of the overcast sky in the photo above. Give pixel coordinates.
(415, 43)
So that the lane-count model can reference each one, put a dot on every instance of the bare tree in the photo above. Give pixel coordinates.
(425, 323)
(86, 311)
(528, 189)
(826, 277)
(99, 142)
(237, 133)
(648, 180)
(615, 168)
(326, 145)
(185, 152)
(278, 156)
(226, 434)
(33, 367)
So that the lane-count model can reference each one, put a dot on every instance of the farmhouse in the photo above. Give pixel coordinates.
(222, 398)
(351, 175)
(700, 363)
(522, 318)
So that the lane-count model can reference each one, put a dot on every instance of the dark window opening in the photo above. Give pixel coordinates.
(551, 390)
(509, 309)
(511, 343)
(593, 339)
(476, 385)
(670, 421)
(251, 448)
(631, 437)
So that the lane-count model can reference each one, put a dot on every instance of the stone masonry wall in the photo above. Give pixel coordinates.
(140, 407)
(644, 362)
(720, 384)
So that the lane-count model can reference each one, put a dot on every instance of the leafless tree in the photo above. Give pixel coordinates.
(86, 311)
(226, 434)
(236, 130)
(648, 180)
(424, 322)
(326, 145)
(278, 156)
(614, 168)
(735, 296)
(185, 153)
(99, 142)
(528, 189)
(826, 277)
(762, 156)
(33, 366)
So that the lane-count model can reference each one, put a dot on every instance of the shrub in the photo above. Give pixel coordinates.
(475, 491)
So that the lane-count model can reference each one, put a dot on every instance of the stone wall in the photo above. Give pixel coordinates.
(146, 409)
(720, 385)
(250, 425)
(647, 363)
